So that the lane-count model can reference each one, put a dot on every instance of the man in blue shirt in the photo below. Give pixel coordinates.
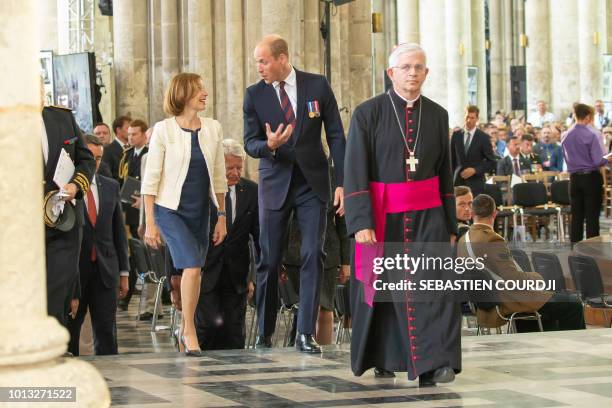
(584, 155)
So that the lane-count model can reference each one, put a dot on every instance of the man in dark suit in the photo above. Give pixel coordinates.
(471, 154)
(114, 151)
(63, 239)
(103, 262)
(529, 160)
(226, 284)
(130, 166)
(512, 164)
(283, 114)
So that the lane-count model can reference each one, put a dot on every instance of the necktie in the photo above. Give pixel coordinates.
(517, 169)
(92, 213)
(228, 209)
(468, 141)
(286, 107)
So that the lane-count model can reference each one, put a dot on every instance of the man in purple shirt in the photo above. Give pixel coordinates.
(584, 156)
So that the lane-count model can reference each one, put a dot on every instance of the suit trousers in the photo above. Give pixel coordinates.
(311, 214)
(585, 198)
(102, 304)
(220, 316)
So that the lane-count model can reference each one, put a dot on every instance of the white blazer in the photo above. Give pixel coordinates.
(169, 156)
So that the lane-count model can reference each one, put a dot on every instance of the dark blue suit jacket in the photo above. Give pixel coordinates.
(108, 236)
(261, 106)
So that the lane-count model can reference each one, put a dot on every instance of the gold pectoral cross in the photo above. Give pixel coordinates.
(412, 162)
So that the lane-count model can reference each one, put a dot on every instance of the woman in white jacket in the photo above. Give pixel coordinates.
(185, 172)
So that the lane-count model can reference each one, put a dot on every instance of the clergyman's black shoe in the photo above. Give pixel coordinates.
(305, 343)
(382, 373)
(426, 379)
(444, 375)
(263, 342)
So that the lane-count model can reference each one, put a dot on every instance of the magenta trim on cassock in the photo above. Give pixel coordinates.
(390, 198)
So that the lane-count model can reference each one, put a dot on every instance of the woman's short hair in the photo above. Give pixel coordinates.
(181, 89)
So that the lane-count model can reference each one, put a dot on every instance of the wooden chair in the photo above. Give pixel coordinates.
(607, 195)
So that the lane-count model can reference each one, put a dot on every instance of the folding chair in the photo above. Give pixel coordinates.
(588, 282)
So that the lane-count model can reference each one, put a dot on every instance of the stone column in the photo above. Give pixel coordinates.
(456, 61)
(313, 49)
(285, 18)
(360, 49)
(433, 40)
(235, 68)
(131, 58)
(47, 14)
(518, 9)
(408, 21)
(200, 23)
(479, 53)
(253, 33)
(32, 342)
(169, 40)
(156, 77)
(508, 58)
(496, 50)
(590, 62)
(564, 48)
(608, 24)
(220, 68)
(379, 50)
(537, 58)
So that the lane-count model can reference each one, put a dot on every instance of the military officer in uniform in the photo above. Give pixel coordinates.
(63, 232)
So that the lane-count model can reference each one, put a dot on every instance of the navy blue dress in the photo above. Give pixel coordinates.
(186, 230)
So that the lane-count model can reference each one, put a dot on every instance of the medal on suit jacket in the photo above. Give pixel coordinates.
(313, 109)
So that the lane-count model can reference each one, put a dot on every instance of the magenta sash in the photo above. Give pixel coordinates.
(390, 198)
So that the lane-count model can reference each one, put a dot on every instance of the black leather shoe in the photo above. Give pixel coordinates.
(263, 342)
(382, 373)
(426, 379)
(305, 343)
(444, 375)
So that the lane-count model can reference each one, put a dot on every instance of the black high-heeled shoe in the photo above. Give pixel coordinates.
(190, 353)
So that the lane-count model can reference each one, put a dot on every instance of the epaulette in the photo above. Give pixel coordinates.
(60, 107)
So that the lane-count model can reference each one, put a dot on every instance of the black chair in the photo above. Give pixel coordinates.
(290, 301)
(548, 265)
(589, 284)
(522, 259)
(141, 262)
(504, 214)
(559, 194)
(532, 199)
(157, 275)
(342, 306)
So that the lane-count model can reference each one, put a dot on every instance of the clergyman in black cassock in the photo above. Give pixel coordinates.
(424, 338)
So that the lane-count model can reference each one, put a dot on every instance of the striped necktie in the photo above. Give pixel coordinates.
(286, 106)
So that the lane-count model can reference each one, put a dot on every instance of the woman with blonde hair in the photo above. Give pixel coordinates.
(185, 172)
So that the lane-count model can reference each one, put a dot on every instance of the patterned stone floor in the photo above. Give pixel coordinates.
(521, 370)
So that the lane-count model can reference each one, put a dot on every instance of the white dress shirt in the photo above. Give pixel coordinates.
(232, 191)
(469, 133)
(290, 88)
(137, 151)
(45, 143)
(538, 120)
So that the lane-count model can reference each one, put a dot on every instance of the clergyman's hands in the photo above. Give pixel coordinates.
(366, 237)
(279, 137)
(339, 201)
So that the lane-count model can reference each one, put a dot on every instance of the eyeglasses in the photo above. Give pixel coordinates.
(418, 68)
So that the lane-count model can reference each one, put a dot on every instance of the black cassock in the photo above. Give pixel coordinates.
(415, 337)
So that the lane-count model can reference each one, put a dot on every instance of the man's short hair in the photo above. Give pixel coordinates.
(472, 109)
(233, 148)
(102, 124)
(404, 48)
(139, 123)
(582, 111)
(278, 45)
(180, 90)
(527, 137)
(119, 122)
(483, 206)
(92, 139)
(462, 190)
